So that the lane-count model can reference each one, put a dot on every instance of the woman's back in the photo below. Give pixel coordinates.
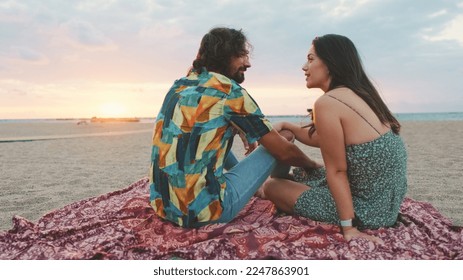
(372, 157)
(359, 123)
(377, 172)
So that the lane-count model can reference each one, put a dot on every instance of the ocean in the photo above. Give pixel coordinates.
(446, 116)
(439, 116)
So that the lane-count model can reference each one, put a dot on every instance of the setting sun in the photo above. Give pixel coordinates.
(111, 110)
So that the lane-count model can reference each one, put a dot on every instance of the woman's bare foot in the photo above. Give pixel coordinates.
(260, 193)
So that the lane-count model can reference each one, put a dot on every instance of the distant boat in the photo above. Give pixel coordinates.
(104, 120)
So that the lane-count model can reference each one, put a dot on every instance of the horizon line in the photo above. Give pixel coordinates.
(269, 115)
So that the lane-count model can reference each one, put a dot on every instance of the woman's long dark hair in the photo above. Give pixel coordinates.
(345, 67)
(217, 48)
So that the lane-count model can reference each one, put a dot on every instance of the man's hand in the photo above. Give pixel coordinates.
(287, 134)
(248, 147)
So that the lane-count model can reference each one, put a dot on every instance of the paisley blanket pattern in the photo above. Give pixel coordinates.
(122, 225)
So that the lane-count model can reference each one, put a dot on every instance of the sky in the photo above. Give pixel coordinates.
(116, 58)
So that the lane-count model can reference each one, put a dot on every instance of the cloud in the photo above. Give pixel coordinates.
(161, 31)
(93, 5)
(78, 98)
(84, 35)
(29, 55)
(452, 31)
(12, 11)
(10, 88)
(342, 8)
(402, 43)
(23, 55)
(438, 13)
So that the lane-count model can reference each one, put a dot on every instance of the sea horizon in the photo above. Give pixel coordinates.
(421, 116)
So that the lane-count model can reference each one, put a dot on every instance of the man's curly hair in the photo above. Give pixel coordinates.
(218, 47)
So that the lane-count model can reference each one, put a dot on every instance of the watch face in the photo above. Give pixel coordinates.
(346, 223)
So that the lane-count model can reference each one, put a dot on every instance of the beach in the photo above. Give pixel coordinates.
(47, 165)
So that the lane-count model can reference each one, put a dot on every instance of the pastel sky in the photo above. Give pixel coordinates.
(61, 59)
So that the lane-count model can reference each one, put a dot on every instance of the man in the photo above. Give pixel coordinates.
(194, 132)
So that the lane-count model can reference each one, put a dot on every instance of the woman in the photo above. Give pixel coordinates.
(364, 179)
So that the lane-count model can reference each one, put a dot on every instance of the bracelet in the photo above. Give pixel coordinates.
(346, 223)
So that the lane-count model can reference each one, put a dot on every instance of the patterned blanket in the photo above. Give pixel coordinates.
(122, 225)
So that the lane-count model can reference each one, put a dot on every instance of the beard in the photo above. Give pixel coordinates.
(238, 75)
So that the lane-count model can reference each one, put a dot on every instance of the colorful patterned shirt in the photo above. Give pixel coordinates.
(192, 136)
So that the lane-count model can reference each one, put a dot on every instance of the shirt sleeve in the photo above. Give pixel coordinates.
(245, 115)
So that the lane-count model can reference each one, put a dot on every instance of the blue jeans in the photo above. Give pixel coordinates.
(243, 180)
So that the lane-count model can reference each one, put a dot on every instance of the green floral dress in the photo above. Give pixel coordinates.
(377, 173)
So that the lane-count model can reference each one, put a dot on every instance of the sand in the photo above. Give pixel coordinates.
(58, 169)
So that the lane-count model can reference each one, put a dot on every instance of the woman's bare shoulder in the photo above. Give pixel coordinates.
(329, 98)
(340, 91)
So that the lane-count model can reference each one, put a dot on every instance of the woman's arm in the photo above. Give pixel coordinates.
(301, 133)
(333, 150)
(332, 146)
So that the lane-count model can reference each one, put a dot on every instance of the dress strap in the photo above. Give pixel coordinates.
(355, 111)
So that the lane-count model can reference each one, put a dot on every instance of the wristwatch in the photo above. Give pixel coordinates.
(346, 223)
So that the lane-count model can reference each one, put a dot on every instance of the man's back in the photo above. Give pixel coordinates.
(193, 135)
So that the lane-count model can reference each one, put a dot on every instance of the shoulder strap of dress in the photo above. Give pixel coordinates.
(355, 111)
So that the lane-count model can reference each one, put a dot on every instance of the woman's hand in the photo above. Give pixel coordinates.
(352, 232)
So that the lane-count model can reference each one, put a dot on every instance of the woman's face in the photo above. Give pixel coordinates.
(316, 72)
